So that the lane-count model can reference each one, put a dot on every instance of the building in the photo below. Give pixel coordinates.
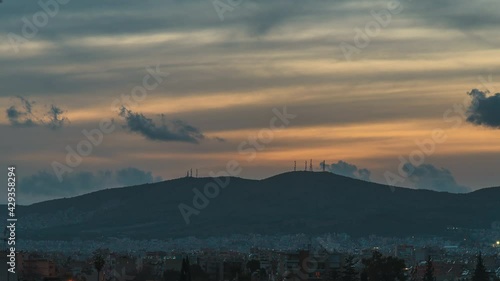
(406, 253)
(38, 269)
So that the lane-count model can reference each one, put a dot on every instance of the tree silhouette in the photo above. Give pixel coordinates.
(349, 273)
(335, 274)
(379, 268)
(170, 275)
(253, 265)
(429, 271)
(414, 273)
(480, 273)
(363, 276)
(185, 270)
(99, 262)
(197, 273)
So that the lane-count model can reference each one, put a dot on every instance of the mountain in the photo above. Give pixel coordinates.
(294, 202)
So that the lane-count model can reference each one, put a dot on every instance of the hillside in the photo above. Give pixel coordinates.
(295, 202)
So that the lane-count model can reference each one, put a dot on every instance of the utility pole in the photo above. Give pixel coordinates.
(294, 166)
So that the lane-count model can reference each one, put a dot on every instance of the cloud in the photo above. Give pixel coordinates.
(427, 176)
(175, 130)
(134, 176)
(209, 58)
(55, 118)
(22, 116)
(46, 184)
(484, 110)
(219, 139)
(349, 170)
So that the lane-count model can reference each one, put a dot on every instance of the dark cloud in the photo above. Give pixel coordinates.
(349, 170)
(46, 183)
(484, 110)
(23, 116)
(175, 130)
(427, 176)
(219, 139)
(55, 120)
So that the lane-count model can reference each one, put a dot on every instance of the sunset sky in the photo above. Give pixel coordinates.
(227, 74)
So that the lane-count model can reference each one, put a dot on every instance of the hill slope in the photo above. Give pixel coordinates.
(297, 202)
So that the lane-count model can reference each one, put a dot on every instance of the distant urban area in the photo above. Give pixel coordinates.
(462, 255)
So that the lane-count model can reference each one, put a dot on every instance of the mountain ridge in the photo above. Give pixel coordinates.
(292, 202)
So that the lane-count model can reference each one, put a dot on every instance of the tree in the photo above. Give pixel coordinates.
(145, 274)
(253, 265)
(235, 271)
(429, 271)
(262, 273)
(197, 273)
(480, 273)
(170, 275)
(414, 273)
(371, 266)
(335, 274)
(185, 270)
(99, 262)
(363, 276)
(380, 268)
(349, 273)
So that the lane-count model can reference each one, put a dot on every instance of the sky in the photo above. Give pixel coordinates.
(395, 92)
